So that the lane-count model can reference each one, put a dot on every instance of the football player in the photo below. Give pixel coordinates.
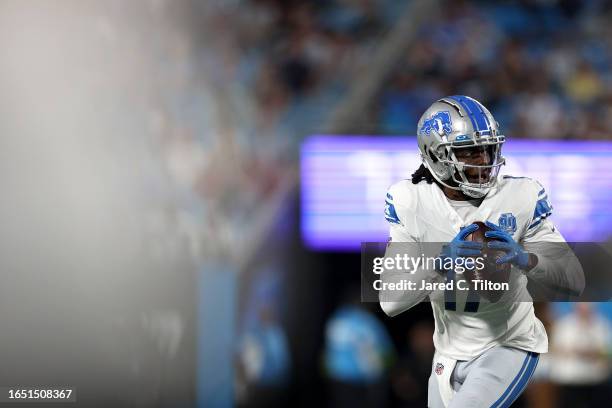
(486, 352)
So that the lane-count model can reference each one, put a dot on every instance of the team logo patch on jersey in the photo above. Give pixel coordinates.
(507, 222)
(439, 368)
(440, 122)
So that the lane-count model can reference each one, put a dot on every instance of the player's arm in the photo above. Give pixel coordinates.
(553, 263)
(403, 242)
(542, 253)
(394, 302)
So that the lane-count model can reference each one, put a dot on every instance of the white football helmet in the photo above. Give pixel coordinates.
(460, 122)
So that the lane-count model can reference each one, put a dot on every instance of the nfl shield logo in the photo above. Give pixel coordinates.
(507, 222)
(439, 368)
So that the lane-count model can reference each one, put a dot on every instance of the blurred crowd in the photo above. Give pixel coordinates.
(227, 90)
(541, 66)
(224, 91)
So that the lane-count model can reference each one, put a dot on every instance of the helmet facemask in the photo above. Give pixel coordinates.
(472, 167)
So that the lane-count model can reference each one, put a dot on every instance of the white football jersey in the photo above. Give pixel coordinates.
(422, 213)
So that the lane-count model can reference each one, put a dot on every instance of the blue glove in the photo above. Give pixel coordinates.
(515, 254)
(459, 247)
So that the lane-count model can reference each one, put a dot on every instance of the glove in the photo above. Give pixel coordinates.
(459, 247)
(515, 254)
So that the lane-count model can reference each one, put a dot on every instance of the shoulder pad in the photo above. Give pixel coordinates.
(527, 185)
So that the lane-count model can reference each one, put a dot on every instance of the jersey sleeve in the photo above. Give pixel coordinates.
(397, 214)
(539, 227)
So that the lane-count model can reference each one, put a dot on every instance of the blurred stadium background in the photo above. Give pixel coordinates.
(155, 247)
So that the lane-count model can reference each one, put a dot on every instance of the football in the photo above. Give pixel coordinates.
(492, 272)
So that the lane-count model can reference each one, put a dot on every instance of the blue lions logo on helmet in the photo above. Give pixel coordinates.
(440, 122)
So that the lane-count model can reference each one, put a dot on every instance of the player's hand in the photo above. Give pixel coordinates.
(459, 247)
(515, 254)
